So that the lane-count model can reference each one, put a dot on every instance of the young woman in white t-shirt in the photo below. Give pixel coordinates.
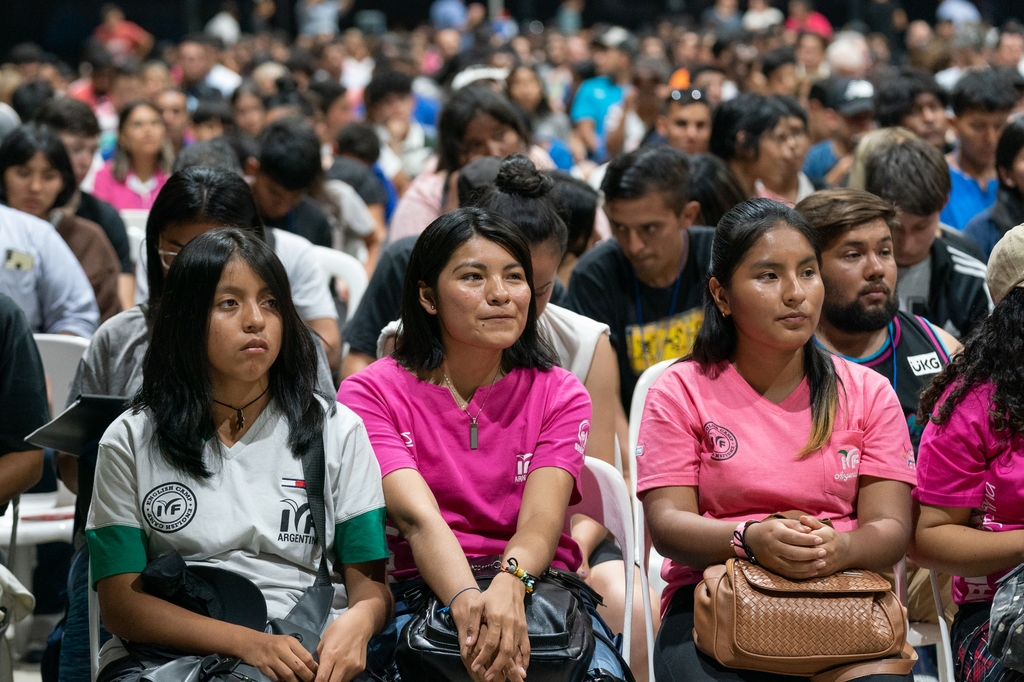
(206, 464)
(759, 420)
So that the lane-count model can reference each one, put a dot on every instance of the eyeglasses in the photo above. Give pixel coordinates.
(167, 257)
(687, 96)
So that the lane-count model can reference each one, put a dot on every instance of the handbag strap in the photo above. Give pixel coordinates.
(313, 468)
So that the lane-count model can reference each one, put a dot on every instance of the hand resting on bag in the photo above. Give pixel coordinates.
(492, 627)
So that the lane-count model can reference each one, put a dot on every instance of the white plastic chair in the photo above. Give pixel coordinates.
(60, 354)
(650, 566)
(605, 499)
(925, 634)
(340, 264)
(135, 224)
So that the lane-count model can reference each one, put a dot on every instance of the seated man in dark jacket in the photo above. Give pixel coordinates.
(938, 280)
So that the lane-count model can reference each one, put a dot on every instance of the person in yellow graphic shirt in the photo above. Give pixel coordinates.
(646, 283)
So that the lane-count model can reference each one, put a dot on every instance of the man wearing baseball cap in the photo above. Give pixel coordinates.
(849, 110)
(1006, 265)
(613, 59)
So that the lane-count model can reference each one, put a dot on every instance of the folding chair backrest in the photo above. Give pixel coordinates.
(60, 354)
(606, 500)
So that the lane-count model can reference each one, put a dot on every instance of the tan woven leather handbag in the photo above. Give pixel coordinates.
(747, 617)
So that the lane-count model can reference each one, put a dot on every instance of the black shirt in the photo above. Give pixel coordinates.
(307, 220)
(107, 217)
(920, 355)
(604, 287)
(23, 406)
(383, 298)
(363, 180)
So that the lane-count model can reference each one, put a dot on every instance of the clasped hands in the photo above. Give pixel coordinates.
(797, 548)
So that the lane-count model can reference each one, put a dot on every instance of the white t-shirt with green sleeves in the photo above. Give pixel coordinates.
(251, 516)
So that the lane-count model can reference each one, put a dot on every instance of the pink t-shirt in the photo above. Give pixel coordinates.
(531, 419)
(127, 194)
(740, 450)
(965, 464)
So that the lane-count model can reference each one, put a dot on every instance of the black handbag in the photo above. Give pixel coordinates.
(559, 627)
(221, 594)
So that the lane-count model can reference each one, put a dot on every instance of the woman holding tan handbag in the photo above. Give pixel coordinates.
(760, 420)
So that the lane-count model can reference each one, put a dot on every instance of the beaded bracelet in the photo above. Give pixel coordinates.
(512, 568)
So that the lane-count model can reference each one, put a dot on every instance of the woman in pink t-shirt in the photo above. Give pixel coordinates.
(760, 420)
(479, 435)
(141, 163)
(971, 487)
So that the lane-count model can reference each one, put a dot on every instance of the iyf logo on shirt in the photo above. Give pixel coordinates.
(523, 466)
(170, 507)
(581, 437)
(296, 523)
(850, 459)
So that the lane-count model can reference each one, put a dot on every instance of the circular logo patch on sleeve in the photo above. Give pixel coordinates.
(723, 443)
(169, 508)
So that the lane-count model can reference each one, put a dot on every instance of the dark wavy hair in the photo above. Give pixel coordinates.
(197, 195)
(176, 384)
(736, 234)
(523, 194)
(28, 140)
(994, 351)
(419, 344)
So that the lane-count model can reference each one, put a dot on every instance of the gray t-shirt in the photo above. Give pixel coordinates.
(914, 283)
(112, 364)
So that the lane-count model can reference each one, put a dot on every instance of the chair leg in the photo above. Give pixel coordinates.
(944, 647)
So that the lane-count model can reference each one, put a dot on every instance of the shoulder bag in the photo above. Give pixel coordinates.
(560, 631)
(833, 628)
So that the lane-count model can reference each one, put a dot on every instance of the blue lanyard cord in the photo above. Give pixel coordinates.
(675, 289)
(639, 303)
(890, 342)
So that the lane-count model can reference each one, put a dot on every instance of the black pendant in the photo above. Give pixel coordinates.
(474, 440)
(239, 421)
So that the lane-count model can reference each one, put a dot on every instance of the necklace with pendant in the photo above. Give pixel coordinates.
(239, 417)
(474, 434)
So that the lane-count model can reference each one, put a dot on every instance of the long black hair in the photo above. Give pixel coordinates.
(994, 351)
(736, 234)
(464, 106)
(523, 194)
(1008, 211)
(753, 115)
(28, 140)
(176, 384)
(419, 345)
(197, 195)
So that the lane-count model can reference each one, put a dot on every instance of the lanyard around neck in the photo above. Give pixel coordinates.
(675, 289)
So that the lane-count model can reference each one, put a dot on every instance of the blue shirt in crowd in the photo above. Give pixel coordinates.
(593, 99)
(983, 231)
(43, 277)
(967, 199)
(821, 158)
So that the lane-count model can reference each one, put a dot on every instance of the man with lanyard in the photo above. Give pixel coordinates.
(647, 284)
(860, 318)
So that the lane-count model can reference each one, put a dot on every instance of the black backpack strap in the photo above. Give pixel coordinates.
(313, 470)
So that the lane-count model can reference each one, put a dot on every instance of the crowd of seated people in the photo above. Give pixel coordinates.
(811, 236)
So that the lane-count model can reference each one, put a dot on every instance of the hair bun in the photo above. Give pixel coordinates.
(519, 176)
